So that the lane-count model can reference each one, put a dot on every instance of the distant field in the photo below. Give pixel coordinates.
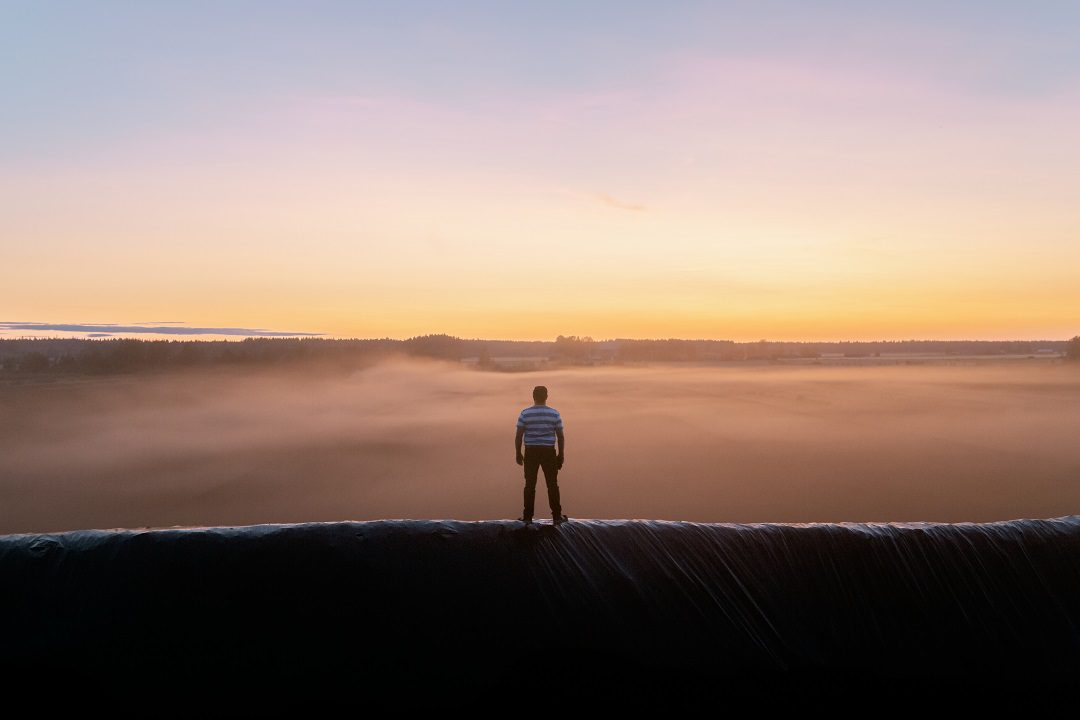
(964, 440)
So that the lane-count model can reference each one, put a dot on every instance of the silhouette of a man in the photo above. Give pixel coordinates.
(539, 426)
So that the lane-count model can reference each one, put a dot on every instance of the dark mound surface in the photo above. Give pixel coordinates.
(594, 614)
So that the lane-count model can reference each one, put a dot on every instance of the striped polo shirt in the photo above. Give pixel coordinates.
(540, 423)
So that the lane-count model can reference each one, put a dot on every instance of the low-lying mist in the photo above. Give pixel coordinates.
(416, 439)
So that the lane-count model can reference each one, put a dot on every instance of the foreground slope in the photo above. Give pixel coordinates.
(598, 612)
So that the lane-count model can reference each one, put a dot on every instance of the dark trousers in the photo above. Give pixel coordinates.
(536, 457)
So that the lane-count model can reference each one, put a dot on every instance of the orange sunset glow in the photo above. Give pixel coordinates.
(816, 187)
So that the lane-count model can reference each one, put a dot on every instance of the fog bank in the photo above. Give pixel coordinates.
(425, 439)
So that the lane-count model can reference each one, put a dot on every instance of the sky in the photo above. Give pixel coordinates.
(521, 170)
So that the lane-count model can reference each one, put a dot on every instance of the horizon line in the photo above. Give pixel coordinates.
(98, 337)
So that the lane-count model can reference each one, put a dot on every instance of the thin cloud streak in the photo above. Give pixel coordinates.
(153, 330)
(617, 203)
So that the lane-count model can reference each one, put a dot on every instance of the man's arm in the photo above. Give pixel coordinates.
(562, 441)
(517, 445)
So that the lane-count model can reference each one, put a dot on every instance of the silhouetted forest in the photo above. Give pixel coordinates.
(114, 355)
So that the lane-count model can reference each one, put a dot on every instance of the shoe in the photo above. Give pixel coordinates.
(525, 520)
(559, 520)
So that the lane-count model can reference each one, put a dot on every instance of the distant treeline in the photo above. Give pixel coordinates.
(115, 355)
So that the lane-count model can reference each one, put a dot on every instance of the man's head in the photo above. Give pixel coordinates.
(539, 394)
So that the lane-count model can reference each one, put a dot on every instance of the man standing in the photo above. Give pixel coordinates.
(539, 426)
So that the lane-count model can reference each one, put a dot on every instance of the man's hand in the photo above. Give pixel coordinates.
(559, 462)
(520, 459)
